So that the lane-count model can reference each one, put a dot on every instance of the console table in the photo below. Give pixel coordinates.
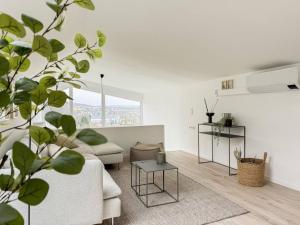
(229, 135)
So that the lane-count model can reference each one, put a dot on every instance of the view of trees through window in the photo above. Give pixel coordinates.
(87, 110)
(120, 111)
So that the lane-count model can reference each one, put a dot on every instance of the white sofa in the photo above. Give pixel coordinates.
(108, 153)
(84, 199)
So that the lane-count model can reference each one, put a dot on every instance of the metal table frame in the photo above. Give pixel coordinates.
(137, 186)
(228, 135)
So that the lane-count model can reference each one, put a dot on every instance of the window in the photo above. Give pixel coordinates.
(90, 110)
(120, 111)
(87, 108)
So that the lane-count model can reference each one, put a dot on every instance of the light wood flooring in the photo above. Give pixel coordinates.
(271, 204)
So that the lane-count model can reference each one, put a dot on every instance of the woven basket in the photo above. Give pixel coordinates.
(251, 172)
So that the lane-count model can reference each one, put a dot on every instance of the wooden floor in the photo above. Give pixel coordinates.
(271, 204)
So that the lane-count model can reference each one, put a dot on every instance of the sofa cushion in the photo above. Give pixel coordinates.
(107, 149)
(110, 188)
(63, 140)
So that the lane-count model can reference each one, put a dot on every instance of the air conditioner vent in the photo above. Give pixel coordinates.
(293, 86)
(274, 81)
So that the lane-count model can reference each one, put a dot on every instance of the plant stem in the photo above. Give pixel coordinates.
(49, 28)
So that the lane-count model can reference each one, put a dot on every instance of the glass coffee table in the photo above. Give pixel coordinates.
(150, 167)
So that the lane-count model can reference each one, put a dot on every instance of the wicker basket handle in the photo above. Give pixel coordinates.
(265, 157)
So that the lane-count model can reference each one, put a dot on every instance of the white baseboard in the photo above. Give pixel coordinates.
(271, 179)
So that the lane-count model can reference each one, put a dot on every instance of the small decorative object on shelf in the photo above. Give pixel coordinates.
(161, 158)
(210, 116)
(251, 171)
(210, 113)
(228, 120)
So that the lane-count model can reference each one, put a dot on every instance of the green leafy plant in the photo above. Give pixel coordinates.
(31, 94)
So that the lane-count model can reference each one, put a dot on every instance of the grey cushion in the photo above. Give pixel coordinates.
(146, 147)
(138, 155)
(107, 149)
(145, 151)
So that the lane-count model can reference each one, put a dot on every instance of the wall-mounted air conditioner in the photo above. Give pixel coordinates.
(274, 81)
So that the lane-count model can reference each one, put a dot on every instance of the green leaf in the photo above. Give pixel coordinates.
(4, 66)
(21, 97)
(83, 66)
(16, 61)
(33, 24)
(37, 164)
(91, 137)
(22, 157)
(72, 60)
(68, 124)
(48, 81)
(54, 118)
(56, 45)
(39, 134)
(3, 43)
(74, 85)
(95, 53)
(74, 75)
(68, 162)
(58, 2)
(80, 40)
(53, 57)
(21, 47)
(87, 4)
(8, 49)
(6, 182)
(101, 38)
(42, 46)
(34, 191)
(57, 98)
(9, 215)
(59, 23)
(52, 136)
(4, 99)
(11, 25)
(39, 95)
(25, 84)
(56, 8)
(25, 110)
(3, 84)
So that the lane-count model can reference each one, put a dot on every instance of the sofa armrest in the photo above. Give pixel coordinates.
(72, 199)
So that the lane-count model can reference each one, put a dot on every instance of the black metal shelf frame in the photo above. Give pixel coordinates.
(228, 135)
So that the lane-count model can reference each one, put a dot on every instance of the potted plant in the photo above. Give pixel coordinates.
(32, 94)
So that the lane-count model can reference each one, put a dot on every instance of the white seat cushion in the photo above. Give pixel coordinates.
(107, 149)
(110, 188)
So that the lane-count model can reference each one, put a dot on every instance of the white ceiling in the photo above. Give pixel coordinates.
(171, 42)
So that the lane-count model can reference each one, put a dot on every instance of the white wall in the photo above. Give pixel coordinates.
(272, 122)
(163, 107)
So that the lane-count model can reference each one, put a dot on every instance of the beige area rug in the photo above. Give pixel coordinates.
(198, 205)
